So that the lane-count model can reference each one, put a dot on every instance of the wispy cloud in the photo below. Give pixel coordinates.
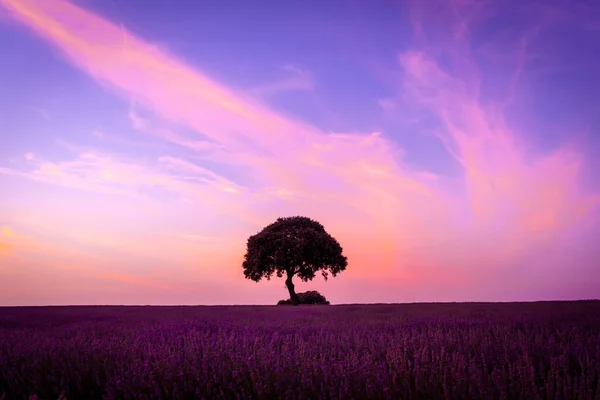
(42, 112)
(143, 125)
(93, 170)
(297, 80)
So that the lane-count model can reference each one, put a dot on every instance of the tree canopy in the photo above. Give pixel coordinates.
(293, 246)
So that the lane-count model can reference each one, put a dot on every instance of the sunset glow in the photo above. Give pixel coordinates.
(450, 147)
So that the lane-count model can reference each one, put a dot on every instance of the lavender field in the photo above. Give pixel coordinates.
(527, 351)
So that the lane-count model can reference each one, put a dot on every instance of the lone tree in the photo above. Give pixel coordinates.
(293, 246)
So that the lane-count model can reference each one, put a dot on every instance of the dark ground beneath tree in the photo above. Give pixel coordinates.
(470, 351)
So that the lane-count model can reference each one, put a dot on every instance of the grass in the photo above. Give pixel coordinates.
(547, 350)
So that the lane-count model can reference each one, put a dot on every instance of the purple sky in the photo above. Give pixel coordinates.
(450, 146)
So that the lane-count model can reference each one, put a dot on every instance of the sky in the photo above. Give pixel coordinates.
(451, 147)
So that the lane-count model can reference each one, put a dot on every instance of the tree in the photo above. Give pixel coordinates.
(293, 246)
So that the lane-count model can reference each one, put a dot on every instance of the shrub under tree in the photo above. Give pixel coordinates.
(309, 297)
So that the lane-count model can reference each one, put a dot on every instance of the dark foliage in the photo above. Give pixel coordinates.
(293, 246)
(310, 297)
(414, 351)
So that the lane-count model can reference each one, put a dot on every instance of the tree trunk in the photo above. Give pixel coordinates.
(293, 295)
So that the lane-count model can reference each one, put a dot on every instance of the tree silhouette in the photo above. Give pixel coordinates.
(293, 246)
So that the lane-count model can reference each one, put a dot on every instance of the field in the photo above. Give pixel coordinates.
(547, 350)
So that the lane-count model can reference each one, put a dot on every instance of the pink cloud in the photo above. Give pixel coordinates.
(531, 194)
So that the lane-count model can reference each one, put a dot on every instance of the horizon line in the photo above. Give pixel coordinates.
(276, 305)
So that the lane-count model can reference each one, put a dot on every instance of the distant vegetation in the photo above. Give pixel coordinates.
(293, 246)
(310, 297)
(417, 351)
